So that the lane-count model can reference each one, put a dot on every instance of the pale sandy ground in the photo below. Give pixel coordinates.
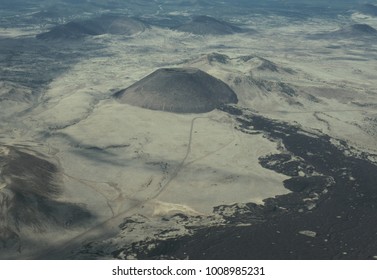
(124, 161)
(15, 32)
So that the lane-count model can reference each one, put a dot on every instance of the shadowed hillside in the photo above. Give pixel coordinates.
(106, 24)
(30, 187)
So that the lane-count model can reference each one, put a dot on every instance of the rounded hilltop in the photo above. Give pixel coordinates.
(179, 90)
(105, 24)
(362, 29)
(355, 31)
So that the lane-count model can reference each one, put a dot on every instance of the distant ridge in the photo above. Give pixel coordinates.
(369, 9)
(359, 31)
(205, 25)
(105, 24)
(179, 90)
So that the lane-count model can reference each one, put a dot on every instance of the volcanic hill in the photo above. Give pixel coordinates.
(179, 90)
(105, 24)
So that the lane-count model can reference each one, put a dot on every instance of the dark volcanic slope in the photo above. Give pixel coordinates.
(180, 90)
(106, 24)
(359, 29)
(204, 25)
(356, 31)
(369, 9)
(29, 192)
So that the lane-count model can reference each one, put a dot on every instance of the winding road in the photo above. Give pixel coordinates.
(109, 227)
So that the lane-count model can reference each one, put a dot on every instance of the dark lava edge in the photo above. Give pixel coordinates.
(343, 220)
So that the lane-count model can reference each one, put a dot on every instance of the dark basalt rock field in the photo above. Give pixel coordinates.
(188, 129)
(330, 213)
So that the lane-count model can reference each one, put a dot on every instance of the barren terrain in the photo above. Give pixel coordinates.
(130, 182)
